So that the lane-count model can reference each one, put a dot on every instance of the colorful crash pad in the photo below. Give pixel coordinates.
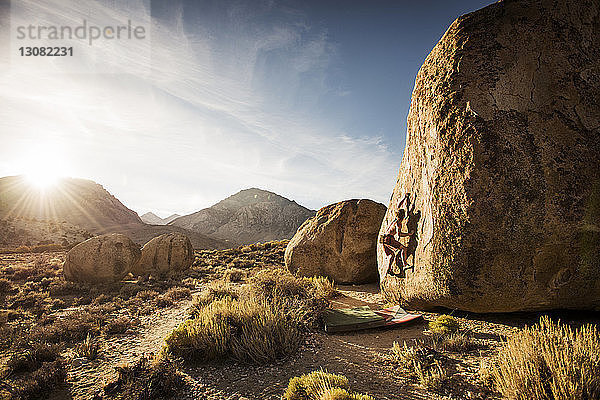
(351, 319)
(354, 319)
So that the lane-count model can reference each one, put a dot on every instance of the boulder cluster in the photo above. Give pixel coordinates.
(109, 258)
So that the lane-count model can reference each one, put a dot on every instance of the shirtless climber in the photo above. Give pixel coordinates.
(397, 252)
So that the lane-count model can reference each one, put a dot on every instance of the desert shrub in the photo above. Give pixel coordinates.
(247, 249)
(444, 325)
(89, 348)
(177, 293)
(5, 286)
(46, 247)
(32, 357)
(247, 329)
(321, 385)
(147, 379)
(146, 295)
(24, 273)
(215, 290)
(129, 290)
(324, 287)
(270, 283)
(259, 323)
(22, 249)
(83, 300)
(42, 381)
(102, 299)
(29, 301)
(70, 329)
(460, 342)
(343, 394)
(420, 362)
(305, 296)
(64, 288)
(234, 275)
(8, 334)
(550, 361)
(163, 302)
(118, 325)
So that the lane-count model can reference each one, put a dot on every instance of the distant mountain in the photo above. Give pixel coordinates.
(77, 201)
(252, 215)
(153, 219)
(71, 211)
(171, 218)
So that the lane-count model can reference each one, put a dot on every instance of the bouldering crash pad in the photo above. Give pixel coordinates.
(358, 318)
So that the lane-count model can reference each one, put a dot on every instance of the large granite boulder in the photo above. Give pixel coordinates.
(339, 243)
(101, 259)
(166, 254)
(502, 162)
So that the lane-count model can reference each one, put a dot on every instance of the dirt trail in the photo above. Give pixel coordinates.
(360, 356)
(87, 378)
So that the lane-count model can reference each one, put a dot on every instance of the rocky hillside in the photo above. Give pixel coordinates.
(77, 201)
(71, 211)
(153, 219)
(252, 215)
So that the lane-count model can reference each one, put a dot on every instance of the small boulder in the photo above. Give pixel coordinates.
(340, 243)
(166, 254)
(101, 259)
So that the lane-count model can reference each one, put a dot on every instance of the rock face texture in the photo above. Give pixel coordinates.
(102, 259)
(339, 243)
(166, 254)
(502, 162)
(249, 216)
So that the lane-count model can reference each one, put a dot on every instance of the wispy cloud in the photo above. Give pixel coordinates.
(205, 113)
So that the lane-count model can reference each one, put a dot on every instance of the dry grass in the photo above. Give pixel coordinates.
(550, 361)
(147, 379)
(460, 342)
(420, 363)
(33, 299)
(89, 348)
(260, 322)
(444, 325)
(250, 330)
(234, 275)
(43, 380)
(321, 385)
(216, 290)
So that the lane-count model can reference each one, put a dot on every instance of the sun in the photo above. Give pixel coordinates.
(42, 179)
(43, 168)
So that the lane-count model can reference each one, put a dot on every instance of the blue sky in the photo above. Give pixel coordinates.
(306, 99)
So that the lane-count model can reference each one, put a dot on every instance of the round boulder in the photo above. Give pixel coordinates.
(101, 259)
(166, 254)
(339, 242)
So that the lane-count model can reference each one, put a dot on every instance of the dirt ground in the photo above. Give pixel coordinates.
(364, 357)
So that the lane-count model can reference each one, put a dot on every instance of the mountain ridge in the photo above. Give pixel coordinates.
(153, 219)
(248, 216)
(72, 211)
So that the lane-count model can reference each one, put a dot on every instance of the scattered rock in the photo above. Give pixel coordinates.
(170, 253)
(502, 162)
(339, 243)
(101, 259)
